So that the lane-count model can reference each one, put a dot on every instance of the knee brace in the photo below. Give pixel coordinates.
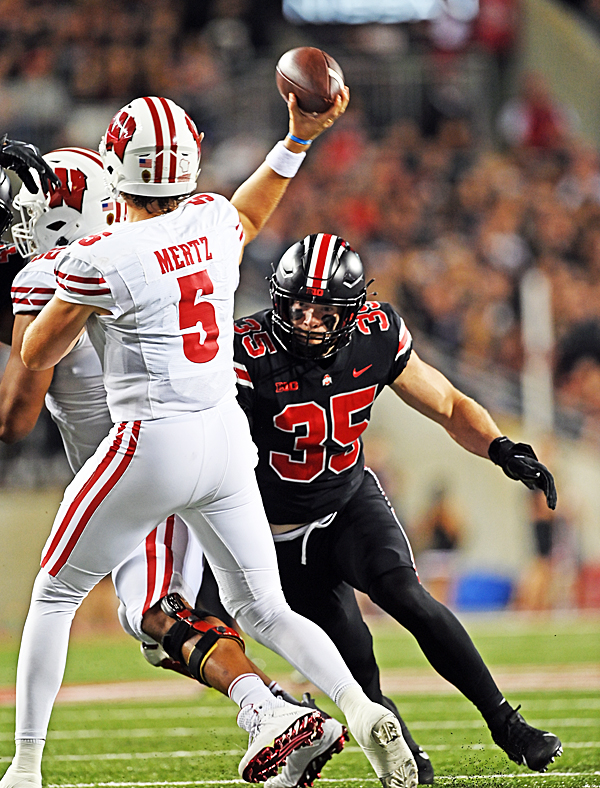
(187, 624)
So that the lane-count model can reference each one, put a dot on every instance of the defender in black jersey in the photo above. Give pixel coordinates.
(308, 373)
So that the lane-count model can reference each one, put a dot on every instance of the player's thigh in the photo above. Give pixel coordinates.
(237, 542)
(114, 501)
(369, 538)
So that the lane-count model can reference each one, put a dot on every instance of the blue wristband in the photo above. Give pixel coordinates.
(299, 141)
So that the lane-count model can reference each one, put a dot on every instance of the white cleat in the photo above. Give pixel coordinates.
(276, 730)
(304, 766)
(382, 742)
(14, 778)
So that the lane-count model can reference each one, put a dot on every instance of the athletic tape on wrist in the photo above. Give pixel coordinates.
(283, 161)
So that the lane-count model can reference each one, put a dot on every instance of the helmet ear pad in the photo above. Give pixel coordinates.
(321, 269)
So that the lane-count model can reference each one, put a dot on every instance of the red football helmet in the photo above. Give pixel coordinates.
(152, 148)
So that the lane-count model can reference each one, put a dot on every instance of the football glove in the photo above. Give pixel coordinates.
(23, 156)
(518, 461)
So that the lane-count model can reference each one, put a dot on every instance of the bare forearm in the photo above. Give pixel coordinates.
(257, 198)
(471, 426)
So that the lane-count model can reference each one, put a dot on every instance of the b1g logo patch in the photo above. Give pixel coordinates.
(286, 385)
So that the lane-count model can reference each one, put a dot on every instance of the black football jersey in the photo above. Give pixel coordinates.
(11, 263)
(307, 416)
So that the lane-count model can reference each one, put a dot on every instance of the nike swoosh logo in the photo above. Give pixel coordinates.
(357, 372)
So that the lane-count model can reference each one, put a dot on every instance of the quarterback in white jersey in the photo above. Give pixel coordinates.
(170, 559)
(160, 299)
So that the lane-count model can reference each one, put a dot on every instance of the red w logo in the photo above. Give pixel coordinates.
(119, 133)
(73, 184)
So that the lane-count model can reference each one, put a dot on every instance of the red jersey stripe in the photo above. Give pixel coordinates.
(84, 280)
(80, 291)
(242, 374)
(39, 290)
(98, 498)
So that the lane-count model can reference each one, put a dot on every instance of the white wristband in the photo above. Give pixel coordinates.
(283, 161)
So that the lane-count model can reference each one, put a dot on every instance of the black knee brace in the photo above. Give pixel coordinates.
(187, 624)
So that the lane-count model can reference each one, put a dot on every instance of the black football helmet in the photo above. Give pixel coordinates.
(321, 269)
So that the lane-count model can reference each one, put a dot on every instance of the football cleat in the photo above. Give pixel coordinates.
(158, 658)
(15, 778)
(304, 765)
(276, 729)
(424, 767)
(382, 742)
(526, 745)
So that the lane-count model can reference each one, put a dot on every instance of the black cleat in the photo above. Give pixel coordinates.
(424, 766)
(526, 745)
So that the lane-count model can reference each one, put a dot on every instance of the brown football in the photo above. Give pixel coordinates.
(312, 76)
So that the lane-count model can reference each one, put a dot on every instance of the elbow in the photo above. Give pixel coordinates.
(13, 431)
(32, 360)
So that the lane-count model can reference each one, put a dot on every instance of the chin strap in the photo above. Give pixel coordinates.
(188, 623)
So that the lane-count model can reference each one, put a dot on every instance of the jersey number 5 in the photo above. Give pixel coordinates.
(197, 319)
(313, 418)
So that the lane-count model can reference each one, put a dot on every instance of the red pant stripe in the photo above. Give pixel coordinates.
(150, 568)
(99, 497)
(168, 556)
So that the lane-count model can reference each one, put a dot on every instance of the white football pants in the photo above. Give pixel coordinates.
(201, 467)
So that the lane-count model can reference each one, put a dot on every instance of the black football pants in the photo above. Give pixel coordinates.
(366, 548)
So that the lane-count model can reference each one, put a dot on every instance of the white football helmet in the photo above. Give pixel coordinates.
(151, 148)
(81, 206)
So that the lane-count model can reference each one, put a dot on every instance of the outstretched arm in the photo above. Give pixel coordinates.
(258, 196)
(22, 391)
(425, 388)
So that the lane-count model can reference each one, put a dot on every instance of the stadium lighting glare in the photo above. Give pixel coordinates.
(358, 12)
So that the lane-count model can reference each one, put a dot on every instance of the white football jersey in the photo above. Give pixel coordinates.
(168, 283)
(76, 397)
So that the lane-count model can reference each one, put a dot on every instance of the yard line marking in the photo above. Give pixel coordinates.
(129, 756)
(321, 780)
(129, 733)
(146, 733)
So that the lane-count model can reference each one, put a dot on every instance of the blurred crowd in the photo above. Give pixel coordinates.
(446, 221)
(448, 228)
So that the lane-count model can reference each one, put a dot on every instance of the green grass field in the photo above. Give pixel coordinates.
(195, 741)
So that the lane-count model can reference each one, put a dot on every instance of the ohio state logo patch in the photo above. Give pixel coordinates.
(120, 131)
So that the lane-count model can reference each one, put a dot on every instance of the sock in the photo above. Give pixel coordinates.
(499, 714)
(353, 703)
(28, 755)
(248, 688)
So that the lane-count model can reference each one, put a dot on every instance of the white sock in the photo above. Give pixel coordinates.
(248, 688)
(28, 755)
(356, 707)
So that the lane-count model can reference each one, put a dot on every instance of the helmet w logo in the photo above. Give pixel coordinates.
(120, 131)
(73, 184)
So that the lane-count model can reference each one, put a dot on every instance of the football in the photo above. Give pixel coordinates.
(312, 76)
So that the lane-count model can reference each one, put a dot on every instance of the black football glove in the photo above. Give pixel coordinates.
(518, 461)
(23, 156)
